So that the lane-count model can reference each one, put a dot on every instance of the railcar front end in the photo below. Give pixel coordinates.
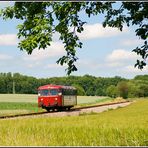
(51, 97)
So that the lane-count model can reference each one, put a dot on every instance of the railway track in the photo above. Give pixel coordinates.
(73, 109)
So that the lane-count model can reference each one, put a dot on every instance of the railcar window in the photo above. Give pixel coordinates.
(75, 92)
(43, 92)
(69, 92)
(53, 92)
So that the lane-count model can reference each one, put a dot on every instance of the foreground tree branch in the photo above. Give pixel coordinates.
(42, 19)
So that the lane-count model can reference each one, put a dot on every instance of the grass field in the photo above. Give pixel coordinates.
(22, 103)
(18, 98)
(121, 127)
(33, 98)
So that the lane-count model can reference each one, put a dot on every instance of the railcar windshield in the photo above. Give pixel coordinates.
(43, 92)
(48, 92)
(53, 92)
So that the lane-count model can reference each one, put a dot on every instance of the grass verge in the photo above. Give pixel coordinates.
(125, 126)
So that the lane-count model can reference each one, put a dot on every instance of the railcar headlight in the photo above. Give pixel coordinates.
(59, 94)
(56, 99)
(41, 99)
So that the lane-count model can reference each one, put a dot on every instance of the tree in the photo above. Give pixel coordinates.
(2, 84)
(86, 85)
(99, 91)
(80, 90)
(143, 88)
(42, 19)
(133, 90)
(111, 91)
(122, 88)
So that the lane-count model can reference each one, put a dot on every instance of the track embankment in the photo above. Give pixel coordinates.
(74, 111)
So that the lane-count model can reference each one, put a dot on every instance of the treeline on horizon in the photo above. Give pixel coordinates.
(86, 85)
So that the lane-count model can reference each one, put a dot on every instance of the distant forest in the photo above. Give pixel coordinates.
(86, 85)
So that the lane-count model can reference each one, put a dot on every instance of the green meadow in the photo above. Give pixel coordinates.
(25, 103)
(11, 104)
(125, 126)
(29, 98)
(33, 98)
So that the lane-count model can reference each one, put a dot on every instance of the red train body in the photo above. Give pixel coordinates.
(57, 97)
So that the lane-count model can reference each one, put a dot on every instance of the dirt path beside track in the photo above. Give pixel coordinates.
(76, 111)
(87, 110)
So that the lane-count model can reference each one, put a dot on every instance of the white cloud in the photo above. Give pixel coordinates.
(55, 37)
(91, 64)
(121, 55)
(122, 63)
(132, 69)
(3, 3)
(34, 64)
(8, 39)
(131, 42)
(113, 64)
(56, 49)
(54, 66)
(5, 57)
(98, 31)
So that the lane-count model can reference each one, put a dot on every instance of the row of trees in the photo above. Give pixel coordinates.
(86, 85)
(128, 89)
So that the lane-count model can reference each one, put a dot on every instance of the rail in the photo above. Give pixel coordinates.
(73, 109)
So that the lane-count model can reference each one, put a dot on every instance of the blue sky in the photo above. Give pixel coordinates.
(106, 52)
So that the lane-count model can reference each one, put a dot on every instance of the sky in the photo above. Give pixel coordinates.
(106, 52)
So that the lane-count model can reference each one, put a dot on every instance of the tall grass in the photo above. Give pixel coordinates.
(121, 127)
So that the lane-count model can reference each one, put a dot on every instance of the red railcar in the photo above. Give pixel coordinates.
(57, 97)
